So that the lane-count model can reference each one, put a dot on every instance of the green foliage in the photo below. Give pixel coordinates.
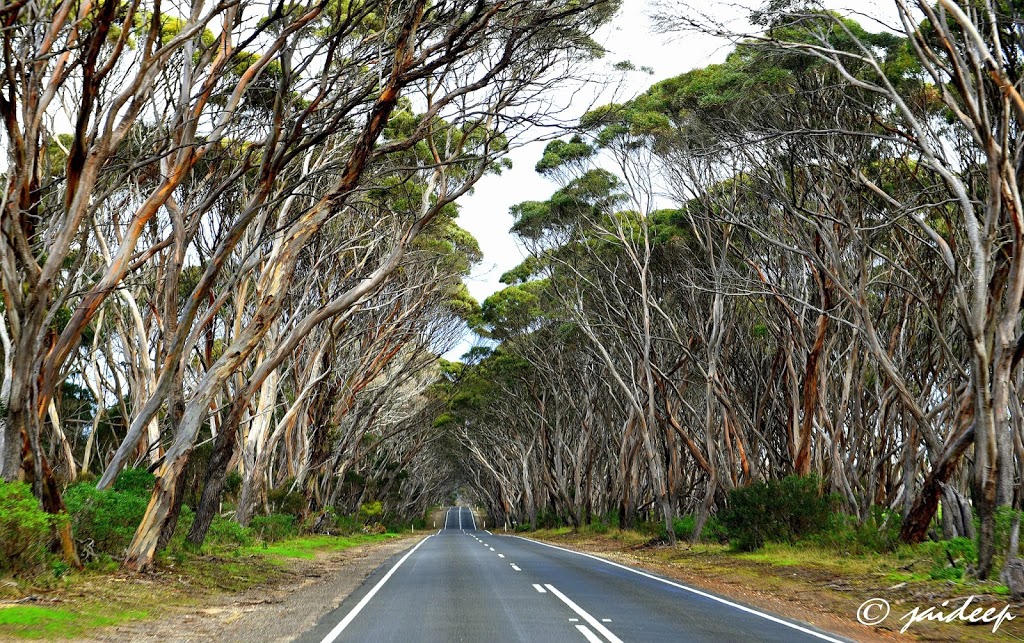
(106, 520)
(232, 483)
(778, 510)
(224, 532)
(880, 533)
(559, 154)
(712, 532)
(950, 559)
(684, 526)
(25, 529)
(370, 512)
(137, 482)
(1004, 524)
(284, 501)
(274, 527)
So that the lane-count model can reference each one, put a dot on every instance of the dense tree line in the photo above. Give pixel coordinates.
(803, 260)
(228, 239)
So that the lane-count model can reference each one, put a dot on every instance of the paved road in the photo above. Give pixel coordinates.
(466, 584)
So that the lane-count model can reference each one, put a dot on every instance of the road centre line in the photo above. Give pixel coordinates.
(594, 623)
(590, 636)
(340, 627)
(719, 599)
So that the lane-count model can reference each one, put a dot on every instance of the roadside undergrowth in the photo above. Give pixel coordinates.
(76, 604)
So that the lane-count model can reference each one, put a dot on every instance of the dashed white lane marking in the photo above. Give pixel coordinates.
(574, 620)
(340, 627)
(590, 636)
(540, 589)
(501, 555)
(593, 622)
(491, 548)
(606, 620)
(718, 599)
(516, 568)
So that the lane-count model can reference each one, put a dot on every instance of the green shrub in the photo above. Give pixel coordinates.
(105, 521)
(779, 510)
(370, 512)
(684, 526)
(1004, 524)
(346, 524)
(274, 527)
(137, 482)
(229, 533)
(880, 533)
(714, 531)
(232, 483)
(599, 527)
(283, 501)
(25, 529)
(951, 558)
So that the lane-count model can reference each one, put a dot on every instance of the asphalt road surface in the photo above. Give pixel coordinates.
(466, 584)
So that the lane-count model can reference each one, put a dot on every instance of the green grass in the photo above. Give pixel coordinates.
(307, 547)
(35, 622)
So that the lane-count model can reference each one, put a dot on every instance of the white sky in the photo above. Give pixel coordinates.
(485, 213)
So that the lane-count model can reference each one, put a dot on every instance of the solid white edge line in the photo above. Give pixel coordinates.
(488, 533)
(590, 636)
(472, 518)
(540, 589)
(594, 623)
(719, 599)
(340, 627)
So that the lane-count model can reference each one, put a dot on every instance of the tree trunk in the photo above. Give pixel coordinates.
(213, 489)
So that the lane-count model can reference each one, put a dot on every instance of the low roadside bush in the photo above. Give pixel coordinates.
(25, 529)
(950, 559)
(778, 510)
(713, 531)
(284, 501)
(104, 522)
(370, 512)
(228, 533)
(879, 534)
(274, 527)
